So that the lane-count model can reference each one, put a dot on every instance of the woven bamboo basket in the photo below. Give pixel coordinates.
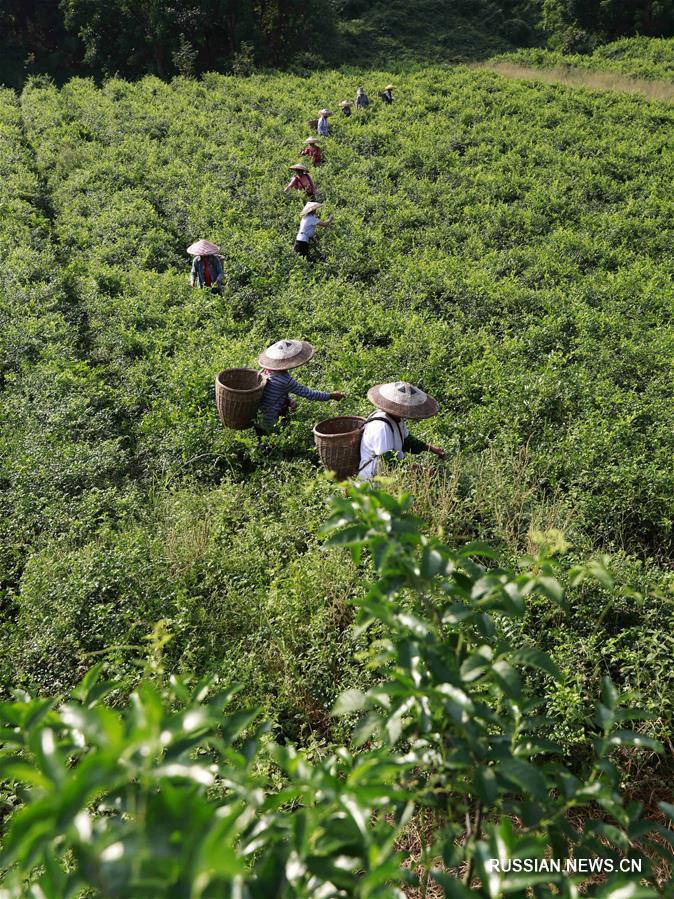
(313, 124)
(338, 443)
(238, 392)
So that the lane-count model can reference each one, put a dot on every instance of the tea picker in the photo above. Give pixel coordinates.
(386, 431)
(277, 361)
(207, 270)
(362, 99)
(309, 222)
(322, 127)
(312, 150)
(345, 106)
(301, 180)
(387, 94)
(350, 445)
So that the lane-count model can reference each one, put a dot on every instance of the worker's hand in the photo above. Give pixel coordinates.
(436, 450)
(337, 395)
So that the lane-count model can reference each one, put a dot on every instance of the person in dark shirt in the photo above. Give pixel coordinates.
(207, 270)
(362, 99)
(387, 94)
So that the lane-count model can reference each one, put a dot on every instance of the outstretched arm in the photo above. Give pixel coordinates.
(415, 446)
(308, 394)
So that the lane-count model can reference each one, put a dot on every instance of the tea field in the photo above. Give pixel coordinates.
(506, 246)
(638, 57)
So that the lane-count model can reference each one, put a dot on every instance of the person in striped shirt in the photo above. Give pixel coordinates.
(276, 361)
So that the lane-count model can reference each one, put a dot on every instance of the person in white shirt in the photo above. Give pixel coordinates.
(386, 432)
(322, 128)
(309, 221)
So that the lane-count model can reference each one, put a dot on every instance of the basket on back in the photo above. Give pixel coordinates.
(313, 124)
(238, 392)
(338, 443)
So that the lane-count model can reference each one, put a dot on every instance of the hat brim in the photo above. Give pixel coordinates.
(203, 248)
(427, 409)
(298, 168)
(301, 358)
(389, 87)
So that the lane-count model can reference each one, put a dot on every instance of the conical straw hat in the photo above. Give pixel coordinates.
(311, 140)
(325, 112)
(389, 87)
(310, 207)
(402, 399)
(286, 354)
(203, 248)
(344, 103)
(298, 167)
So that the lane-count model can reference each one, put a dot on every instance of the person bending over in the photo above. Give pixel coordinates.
(312, 150)
(301, 180)
(385, 433)
(276, 362)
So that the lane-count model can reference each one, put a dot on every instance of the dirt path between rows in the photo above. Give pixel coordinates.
(577, 77)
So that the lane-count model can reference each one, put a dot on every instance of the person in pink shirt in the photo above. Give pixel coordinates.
(301, 180)
(312, 150)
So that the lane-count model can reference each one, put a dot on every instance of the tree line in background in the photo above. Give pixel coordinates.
(130, 38)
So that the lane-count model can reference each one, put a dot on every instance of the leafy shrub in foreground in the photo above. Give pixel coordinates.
(176, 794)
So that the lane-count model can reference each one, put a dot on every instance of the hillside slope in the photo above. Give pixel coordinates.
(429, 31)
(506, 246)
(638, 57)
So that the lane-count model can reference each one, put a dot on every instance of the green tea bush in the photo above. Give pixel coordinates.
(59, 447)
(176, 793)
(506, 246)
(640, 57)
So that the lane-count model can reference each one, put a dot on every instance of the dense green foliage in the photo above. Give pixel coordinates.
(579, 25)
(640, 57)
(506, 246)
(105, 38)
(177, 795)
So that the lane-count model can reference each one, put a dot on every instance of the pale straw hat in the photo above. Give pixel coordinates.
(311, 140)
(389, 87)
(310, 207)
(325, 112)
(203, 248)
(286, 354)
(403, 400)
(345, 103)
(298, 167)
